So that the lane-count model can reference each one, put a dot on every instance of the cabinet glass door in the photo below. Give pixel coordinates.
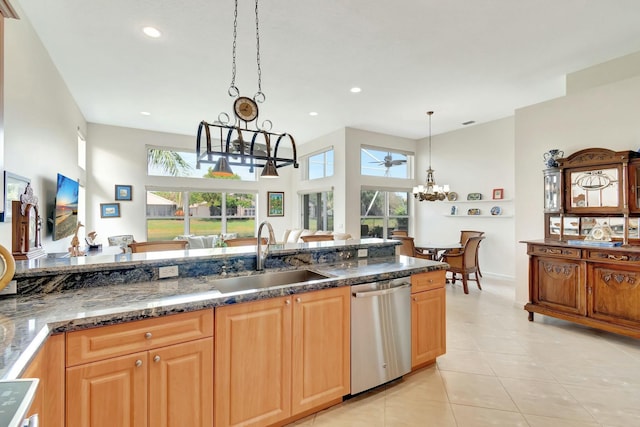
(595, 188)
(552, 190)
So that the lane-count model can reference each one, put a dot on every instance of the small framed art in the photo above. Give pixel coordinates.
(123, 192)
(498, 193)
(109, 210)
(14, 186)
(275, 203)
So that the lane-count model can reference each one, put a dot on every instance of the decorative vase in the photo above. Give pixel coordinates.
(551, 157)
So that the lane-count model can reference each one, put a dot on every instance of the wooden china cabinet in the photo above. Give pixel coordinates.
(587, 269)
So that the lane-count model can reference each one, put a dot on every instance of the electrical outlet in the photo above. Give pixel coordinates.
(168, 271)
(362, 253)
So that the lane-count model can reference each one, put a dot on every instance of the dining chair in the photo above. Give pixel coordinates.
(159, 245)
(245, 241)
(399, 233)
(408, 248)
(317, 238)
(465, 262)
(464, 236)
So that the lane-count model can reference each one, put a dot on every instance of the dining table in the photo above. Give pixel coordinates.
(437, 249)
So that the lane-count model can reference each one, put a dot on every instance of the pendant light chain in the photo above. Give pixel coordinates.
(259, 97)
(429, 114)
(233, 90)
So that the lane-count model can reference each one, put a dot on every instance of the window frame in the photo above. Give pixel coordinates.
(325, 163)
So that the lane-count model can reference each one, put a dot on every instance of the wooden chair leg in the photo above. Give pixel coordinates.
(478, 279)
(464, 283)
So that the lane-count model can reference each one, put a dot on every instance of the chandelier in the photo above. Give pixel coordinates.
(430, 191)
(241, 145)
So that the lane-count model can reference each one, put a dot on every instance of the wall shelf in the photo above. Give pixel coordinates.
(497, 201)
(478, 216)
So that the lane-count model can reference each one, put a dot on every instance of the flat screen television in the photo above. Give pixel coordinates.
(65, 215)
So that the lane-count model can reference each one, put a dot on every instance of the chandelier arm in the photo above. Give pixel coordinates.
(200, 126)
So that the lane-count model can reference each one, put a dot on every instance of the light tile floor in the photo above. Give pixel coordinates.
(502, 370)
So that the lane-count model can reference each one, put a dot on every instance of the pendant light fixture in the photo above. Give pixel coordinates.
(430, 191)
(238, 151)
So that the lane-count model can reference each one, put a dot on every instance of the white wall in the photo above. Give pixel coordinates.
(41, 122)
(476, 159)
(605, 116)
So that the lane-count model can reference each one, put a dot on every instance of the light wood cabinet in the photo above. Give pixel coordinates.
(164, 385)
(428, 317)
(280, 357)
(48, 366)
(321, 348)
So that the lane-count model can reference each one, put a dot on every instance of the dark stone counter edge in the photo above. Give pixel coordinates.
(198, 302)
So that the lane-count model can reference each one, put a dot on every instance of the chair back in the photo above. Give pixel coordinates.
(470, 260)
(317, 238)
(245, 241)
(408, 246)
(399, 233)
(159, 245)
(465, 234)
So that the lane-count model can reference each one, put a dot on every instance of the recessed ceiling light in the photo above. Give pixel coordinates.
(145, 113)
(152, 32)
(356, 90)
(313, 113)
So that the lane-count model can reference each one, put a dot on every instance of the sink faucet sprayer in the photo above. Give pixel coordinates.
(261, 256)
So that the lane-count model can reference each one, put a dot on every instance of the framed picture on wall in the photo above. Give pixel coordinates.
(123, 192)
(275, 203)
(498, 193)
(109, 210)
(14, 186)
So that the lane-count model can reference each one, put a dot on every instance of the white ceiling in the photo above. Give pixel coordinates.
(465, 59)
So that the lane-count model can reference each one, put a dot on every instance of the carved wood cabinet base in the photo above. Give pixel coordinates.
(596, 287)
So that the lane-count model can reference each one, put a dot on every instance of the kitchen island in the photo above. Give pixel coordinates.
(32, 319)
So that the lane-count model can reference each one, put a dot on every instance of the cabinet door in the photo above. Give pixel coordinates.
(181, 385)
(253, 363)
(321, 348)
(109, 393)
(614, 294)
(428, 326)
(559, 284)
(48, 366)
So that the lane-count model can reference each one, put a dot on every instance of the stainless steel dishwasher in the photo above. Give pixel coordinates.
(380, 332)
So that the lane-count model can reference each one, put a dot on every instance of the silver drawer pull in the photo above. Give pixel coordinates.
(156, 358)
(148, 335)
(138, 363)
(618, 258)
(553, 251)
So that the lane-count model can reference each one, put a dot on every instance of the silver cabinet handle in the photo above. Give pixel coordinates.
(148, 335)
(156, 358)
(138, 363)
(287, 302)
(298, 299)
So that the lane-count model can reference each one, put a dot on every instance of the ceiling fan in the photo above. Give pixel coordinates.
(389, 161)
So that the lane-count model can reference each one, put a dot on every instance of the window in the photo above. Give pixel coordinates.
(376, 162)
(175, 213)
(320, 165)
(163, 162)
(317, 211)
(382, 212)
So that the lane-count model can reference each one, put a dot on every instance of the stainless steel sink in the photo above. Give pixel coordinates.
(265, 280)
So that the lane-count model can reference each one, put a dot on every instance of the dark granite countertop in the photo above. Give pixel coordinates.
(27, 320)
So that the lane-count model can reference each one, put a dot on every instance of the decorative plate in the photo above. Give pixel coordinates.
(474, 196)
(453, 196)
(496, 210)
(473, 212)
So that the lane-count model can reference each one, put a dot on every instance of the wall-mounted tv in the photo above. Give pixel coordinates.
(65, 215)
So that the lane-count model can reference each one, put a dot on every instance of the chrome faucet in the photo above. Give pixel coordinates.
(261, 256)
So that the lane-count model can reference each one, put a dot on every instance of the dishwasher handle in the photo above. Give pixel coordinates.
(381, 291)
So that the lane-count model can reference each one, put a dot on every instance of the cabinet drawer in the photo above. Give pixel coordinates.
(108, 341)
(621, 257)
(426, 281)
(574, 253)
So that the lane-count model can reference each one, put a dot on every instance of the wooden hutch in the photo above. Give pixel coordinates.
(576, 273)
